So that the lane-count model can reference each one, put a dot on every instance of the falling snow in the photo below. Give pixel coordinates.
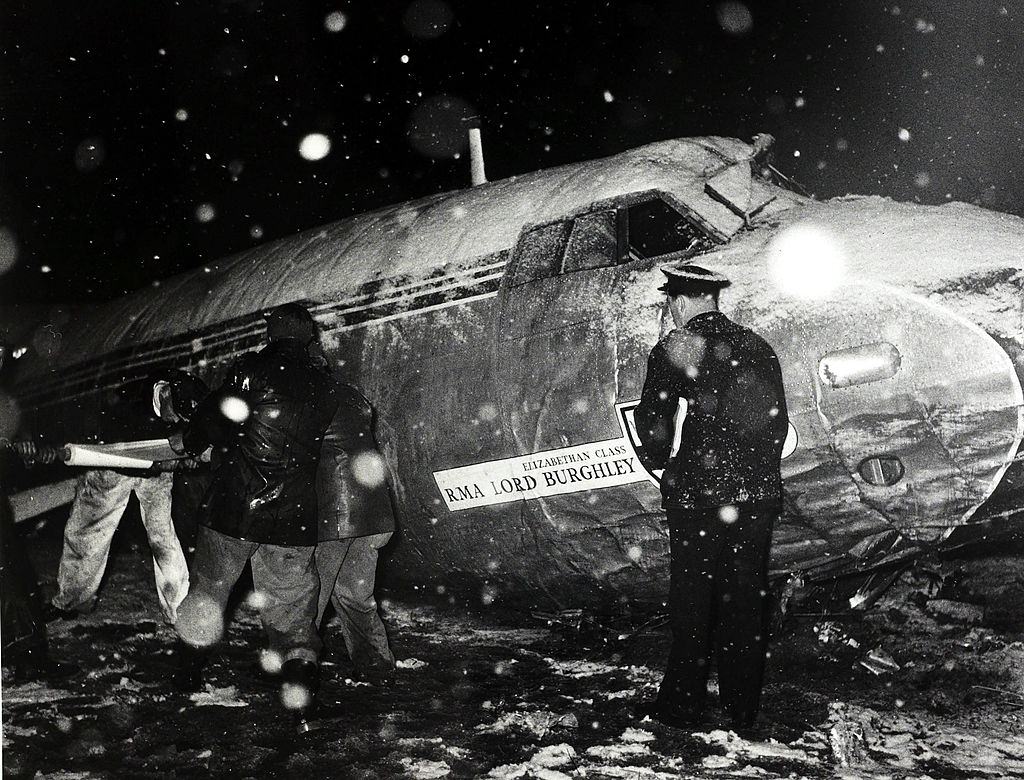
(315, 146)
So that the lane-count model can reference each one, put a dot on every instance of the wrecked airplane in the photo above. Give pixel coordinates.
(502, 333)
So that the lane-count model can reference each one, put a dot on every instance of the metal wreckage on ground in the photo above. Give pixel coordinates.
(502, 333)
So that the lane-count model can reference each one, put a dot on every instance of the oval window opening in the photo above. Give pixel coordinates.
(882, 471)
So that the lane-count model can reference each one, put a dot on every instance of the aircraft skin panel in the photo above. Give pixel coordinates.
(453, 230)
(913, 414)
(468, 371)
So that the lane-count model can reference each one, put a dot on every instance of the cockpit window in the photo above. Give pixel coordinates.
(655, 229)
(593, 242)
(587, 242)
(539, 254)
(605, 238)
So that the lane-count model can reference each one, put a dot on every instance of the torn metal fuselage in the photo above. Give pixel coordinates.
(502, 334)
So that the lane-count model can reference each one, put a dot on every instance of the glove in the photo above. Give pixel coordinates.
(32, 454)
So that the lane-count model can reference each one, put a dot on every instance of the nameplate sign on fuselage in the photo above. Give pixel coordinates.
(591, 466)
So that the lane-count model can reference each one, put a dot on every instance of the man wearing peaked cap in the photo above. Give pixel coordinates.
(689, 276)
(712, 414)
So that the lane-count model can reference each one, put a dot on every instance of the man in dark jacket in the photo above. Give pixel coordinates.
(721, 489)
(266, 424)
(356, 520)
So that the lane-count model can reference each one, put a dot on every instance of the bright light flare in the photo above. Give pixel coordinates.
(806, 261)
(200, 622)
(271, 661)
(295, 696)
(235, 409)
(206, 212)
(315, 146)
(256, 600)
(734, 18)
(335, 22)
(728, 514)
(369, 469)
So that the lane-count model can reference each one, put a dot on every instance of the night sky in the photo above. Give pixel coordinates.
(142, 139)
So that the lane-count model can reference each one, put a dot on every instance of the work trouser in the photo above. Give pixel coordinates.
(286, 590)
(718, 603)
(348, 571)
(101, 496)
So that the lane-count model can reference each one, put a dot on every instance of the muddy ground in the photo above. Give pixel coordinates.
(927, 683)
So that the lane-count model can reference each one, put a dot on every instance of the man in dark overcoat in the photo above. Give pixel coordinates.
(713, 415)
(266, 424)
(356, 521)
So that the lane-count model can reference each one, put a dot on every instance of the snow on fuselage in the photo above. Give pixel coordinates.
(502, 334)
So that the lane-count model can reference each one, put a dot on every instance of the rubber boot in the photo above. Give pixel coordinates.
(300, 683)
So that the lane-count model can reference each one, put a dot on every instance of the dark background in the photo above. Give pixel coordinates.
(120, 119)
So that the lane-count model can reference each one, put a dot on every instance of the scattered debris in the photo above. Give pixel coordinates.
(422, 769)
(734, 746)
(878, 662)
(554, 755)
(417, 742)
(637, 735)
(357, 683)
(982, 640)
(537, 722)
(218, 697)
(630, 773)
(32, 693)
(1008, 696)
(10, 730)
(618, 752)
(846, 737)
(830, 632)
(579, 668)
(623, 694)
(527, 769)
(717, 762)
(865, 738)
(542, 765)
(955, 611)
(411, 663)
(458, 753)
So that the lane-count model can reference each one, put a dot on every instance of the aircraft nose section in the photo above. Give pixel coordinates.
(908, 414)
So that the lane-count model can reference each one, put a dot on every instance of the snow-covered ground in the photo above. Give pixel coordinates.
(485, 692)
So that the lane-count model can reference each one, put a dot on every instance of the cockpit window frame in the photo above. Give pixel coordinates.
(620, 204)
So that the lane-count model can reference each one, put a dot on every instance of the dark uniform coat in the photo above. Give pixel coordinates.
(736, 420)
(264, 486)
(353, 479)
